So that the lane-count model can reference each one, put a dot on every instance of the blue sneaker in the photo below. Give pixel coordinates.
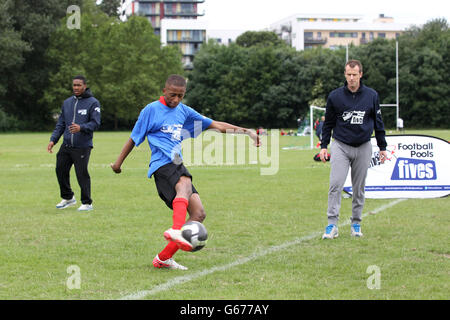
(331, 232)
(356, 230)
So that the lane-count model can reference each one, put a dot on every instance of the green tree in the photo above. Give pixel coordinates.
(424, 68)
(12, 47)
(26, 27)
(261, 38)
(124, 63)
(261, 85)
(110, 7)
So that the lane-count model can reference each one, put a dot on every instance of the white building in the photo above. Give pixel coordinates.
(304, 31)
(125, 9)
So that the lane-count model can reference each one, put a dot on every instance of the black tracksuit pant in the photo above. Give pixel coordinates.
(79, 157)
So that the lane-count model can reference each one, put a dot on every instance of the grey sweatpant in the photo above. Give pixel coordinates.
(344, 157)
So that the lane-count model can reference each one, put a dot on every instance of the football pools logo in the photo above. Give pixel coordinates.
(414, 169)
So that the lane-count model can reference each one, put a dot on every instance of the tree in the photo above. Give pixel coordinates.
(12, 51)
(424, 69)
(110, 7)
(124, 63)
(261, 38)
(261, 85)
(27, 25)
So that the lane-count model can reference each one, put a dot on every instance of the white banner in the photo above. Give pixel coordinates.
(417, 167)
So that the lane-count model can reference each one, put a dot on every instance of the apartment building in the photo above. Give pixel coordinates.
(187, 34)
(175, 21)
(332, 31)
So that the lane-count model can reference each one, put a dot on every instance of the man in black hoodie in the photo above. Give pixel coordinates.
(353, 114)
(79, 118)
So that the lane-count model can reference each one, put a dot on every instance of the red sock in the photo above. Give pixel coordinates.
(179, 212)
(168, 251)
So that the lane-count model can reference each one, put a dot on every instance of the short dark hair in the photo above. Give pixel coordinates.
(354, 63)
(80, 77)
(176, 81)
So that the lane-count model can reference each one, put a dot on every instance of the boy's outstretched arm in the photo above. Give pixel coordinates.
(225, 127)
(129, 145)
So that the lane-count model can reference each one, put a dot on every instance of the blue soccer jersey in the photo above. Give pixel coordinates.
(165, 129)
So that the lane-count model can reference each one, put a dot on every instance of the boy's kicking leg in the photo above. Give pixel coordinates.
(164, 258)
(180, 204)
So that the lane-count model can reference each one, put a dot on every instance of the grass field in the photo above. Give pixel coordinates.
(264, 232)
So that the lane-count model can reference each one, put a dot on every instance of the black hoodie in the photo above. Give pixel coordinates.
(353, 117)
(83, 110)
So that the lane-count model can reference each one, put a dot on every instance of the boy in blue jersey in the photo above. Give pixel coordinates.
(166, 123)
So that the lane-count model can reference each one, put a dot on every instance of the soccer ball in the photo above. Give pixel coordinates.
(195, 232)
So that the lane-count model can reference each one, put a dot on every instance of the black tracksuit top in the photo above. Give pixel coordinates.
(83, 110)
(353, 117)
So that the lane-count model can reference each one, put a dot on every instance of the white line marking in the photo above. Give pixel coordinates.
(261, 253)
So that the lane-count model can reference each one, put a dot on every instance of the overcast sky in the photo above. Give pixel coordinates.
(259, 14)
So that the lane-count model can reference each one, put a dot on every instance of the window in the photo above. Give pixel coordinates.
(344, 34)
(308, 35)
(155, 21)
(381, 35)
(148, 8)
(187, 8)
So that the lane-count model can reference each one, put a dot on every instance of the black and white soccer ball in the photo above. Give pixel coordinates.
(196, 233)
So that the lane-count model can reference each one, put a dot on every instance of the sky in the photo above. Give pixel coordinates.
(259, 14)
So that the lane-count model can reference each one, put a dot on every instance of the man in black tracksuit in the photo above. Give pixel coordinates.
(79, 118)
(353, 114)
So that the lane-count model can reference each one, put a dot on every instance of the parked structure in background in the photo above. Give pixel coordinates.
(303, 31)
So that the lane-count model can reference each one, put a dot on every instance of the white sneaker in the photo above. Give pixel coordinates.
(175, 235)
(85, 207)
(331, 232)
(66, 203)
(169, 264)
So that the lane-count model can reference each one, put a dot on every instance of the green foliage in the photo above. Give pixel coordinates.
(25, 27)
(123, 62)
(261, 85)
(9, 122)
(424, 70)
(110, 7)
(258, 81)
(259, 38)
(12, 47)
(261, 81)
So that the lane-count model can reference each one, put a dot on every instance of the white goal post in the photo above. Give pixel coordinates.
(311, 122)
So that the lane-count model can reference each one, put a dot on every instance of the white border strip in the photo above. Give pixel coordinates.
(261, 253)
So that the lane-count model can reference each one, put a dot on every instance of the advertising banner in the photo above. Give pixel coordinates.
(417, 167)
